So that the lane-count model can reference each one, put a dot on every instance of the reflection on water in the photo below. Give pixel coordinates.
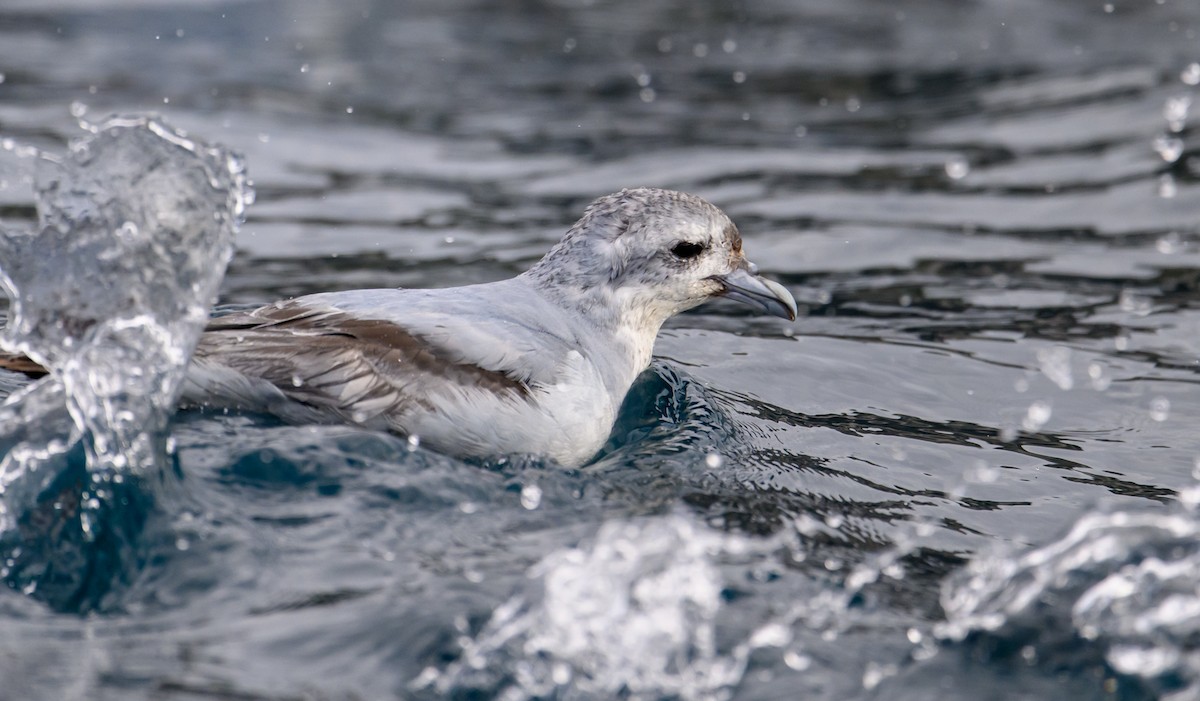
(989, 212)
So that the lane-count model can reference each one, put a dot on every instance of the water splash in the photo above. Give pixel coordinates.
(633, 614)
(1123, 582)
(110, 292)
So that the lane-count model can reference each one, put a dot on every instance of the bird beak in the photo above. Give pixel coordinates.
(744, 285)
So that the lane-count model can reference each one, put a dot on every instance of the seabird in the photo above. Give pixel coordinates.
(536, 364)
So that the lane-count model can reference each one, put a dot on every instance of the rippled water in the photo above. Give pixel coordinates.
(958, 475)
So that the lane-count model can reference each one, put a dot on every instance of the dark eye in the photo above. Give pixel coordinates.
(687, 249)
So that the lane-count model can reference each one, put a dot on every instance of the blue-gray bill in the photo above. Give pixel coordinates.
(765, 295)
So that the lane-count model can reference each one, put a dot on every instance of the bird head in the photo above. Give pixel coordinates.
(648, 254)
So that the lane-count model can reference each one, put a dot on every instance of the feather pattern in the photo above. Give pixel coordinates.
(447, 365)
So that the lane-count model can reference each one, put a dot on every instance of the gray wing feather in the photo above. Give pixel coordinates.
(331, 360)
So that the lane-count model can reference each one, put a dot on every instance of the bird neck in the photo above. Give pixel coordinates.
(618, 313)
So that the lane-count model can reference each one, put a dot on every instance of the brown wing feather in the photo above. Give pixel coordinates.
(16, 362)
(327, 358)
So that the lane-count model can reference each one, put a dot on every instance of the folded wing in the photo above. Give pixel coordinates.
(324, 358)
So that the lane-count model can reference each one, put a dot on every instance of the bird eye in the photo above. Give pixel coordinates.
(687, 249)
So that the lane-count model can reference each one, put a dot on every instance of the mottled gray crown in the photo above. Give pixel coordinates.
(584, 253)
(628, 211)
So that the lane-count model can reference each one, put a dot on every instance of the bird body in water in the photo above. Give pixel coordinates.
(538, 364)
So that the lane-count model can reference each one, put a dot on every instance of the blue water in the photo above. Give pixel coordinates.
(988, 211)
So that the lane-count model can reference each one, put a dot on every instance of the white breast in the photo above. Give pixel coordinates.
(568, 420)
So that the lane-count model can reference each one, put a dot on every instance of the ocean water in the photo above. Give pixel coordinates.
(967, 471)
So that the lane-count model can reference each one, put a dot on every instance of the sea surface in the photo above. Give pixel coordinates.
(968, 471)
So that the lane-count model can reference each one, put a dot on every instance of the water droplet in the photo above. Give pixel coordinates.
(801, 131)
(739, 77)
(182, 544)
(771, 635)
(1175, 110)
(643, 79)
(797, 661)
(714, 460)
(807, 525)
(983, 474)
(647, 94)
(1169, 243)
(531, 496)
(1191, 74)
(729, 46)
(876, 673)
(561, 673)
(128, 231)
(700, 50)
(414, 442)
(1160, 408)
(1167, 188)
(349, 109)
(569, 45)
(2, 77)
(957, 168)
(853, 104)
(179, 33)
(1099, 378)
(1036, 416)
(1135, 303)
(297, 381)
(1169, 148)
(1056, 364)
(664, 45)
(303, 67)
(1109, 8)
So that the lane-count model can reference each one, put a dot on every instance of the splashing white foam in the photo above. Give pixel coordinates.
(111, 292)
(1125, 581)
(633, 613)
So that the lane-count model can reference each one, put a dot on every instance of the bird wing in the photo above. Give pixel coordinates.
(18, 362)
(504, 326)
(354, 365)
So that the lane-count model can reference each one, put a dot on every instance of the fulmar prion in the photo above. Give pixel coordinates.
(534, 364)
